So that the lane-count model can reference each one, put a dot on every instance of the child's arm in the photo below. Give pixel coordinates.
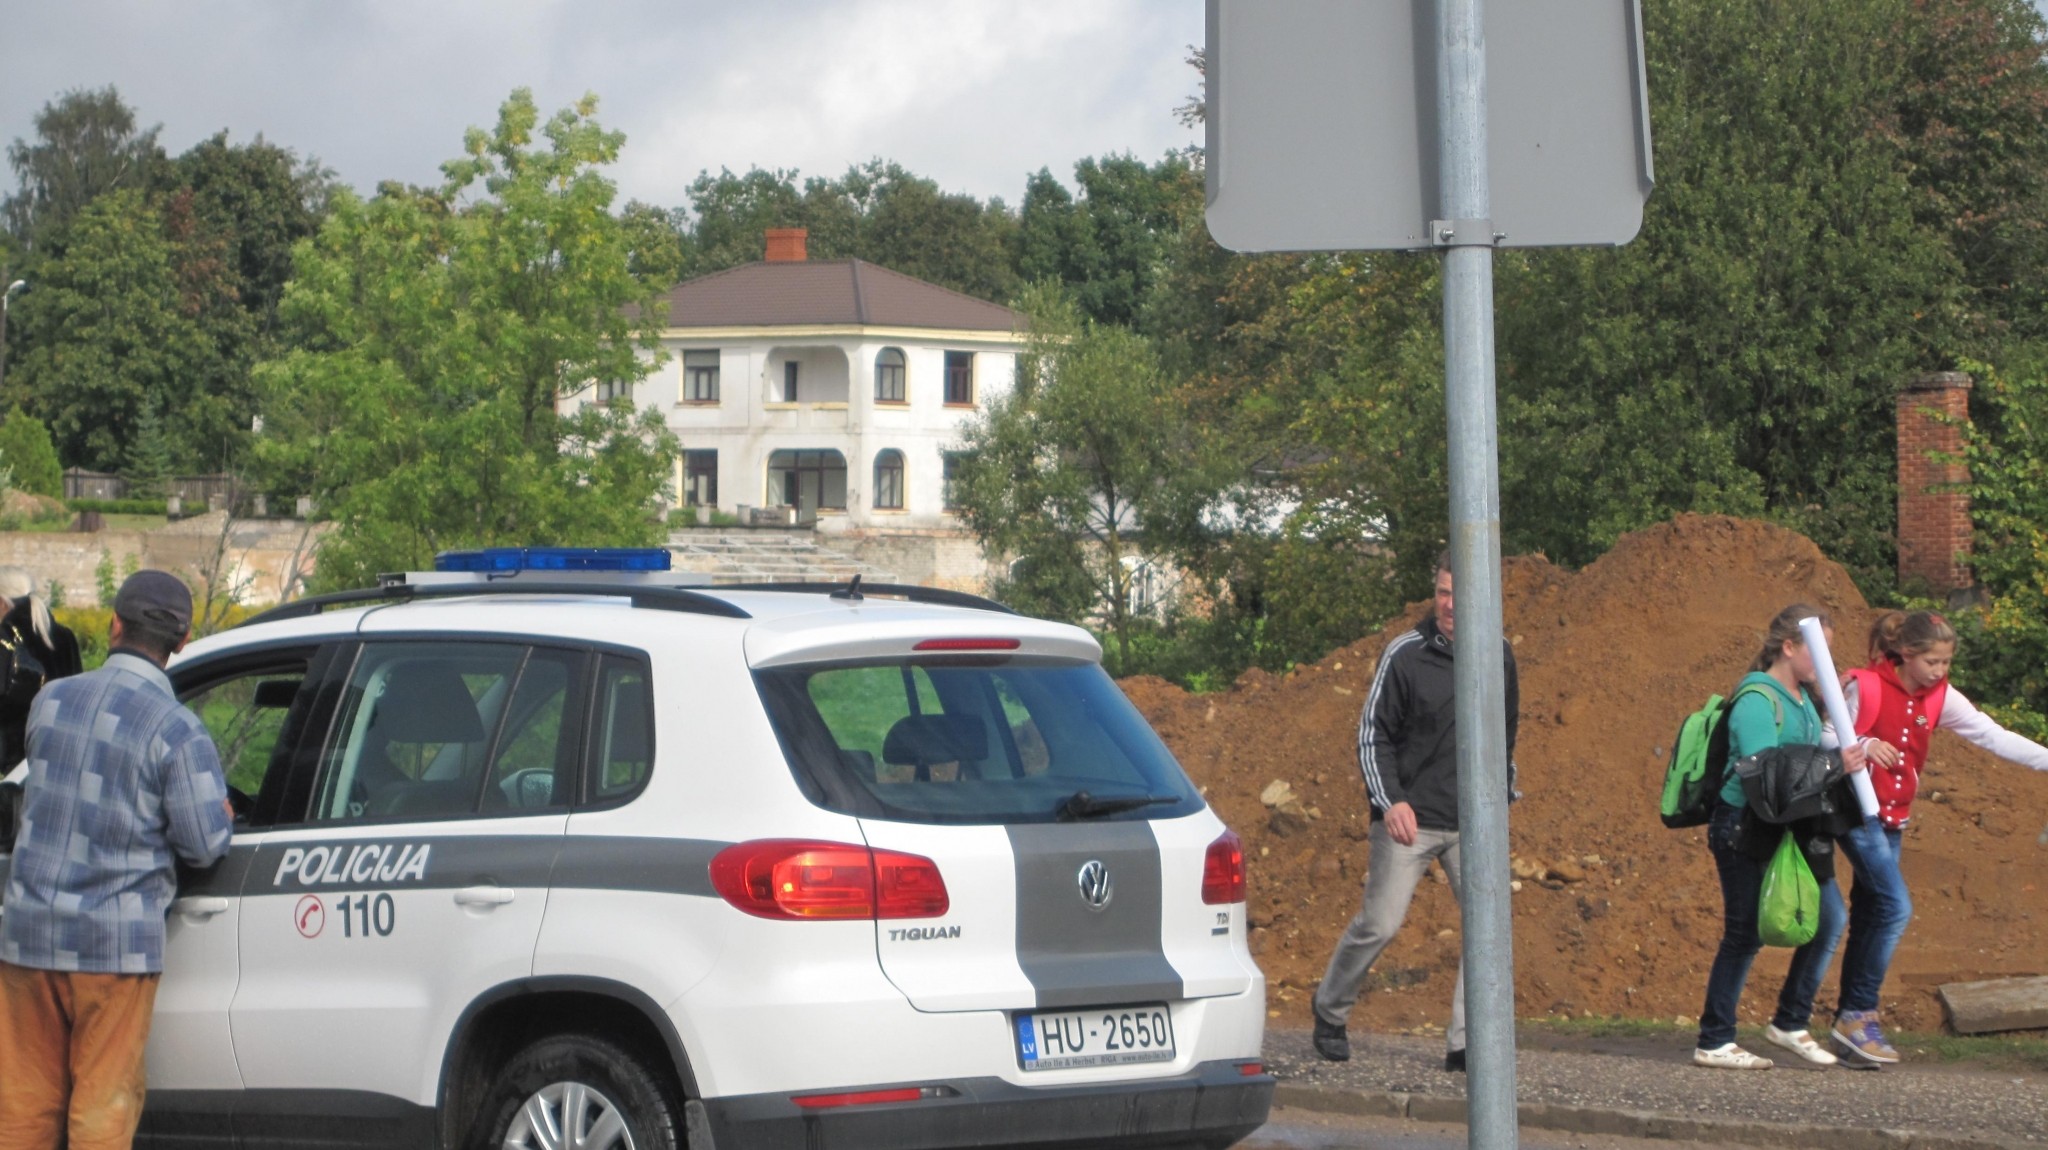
(1958, 715)
(1874, 747)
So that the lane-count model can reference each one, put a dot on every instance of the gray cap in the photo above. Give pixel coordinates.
(157, 598)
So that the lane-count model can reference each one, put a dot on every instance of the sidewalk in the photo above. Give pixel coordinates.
(1648, 1088)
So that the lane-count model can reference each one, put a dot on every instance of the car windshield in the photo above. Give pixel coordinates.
(972, 740)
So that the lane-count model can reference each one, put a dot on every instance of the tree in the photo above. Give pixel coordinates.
(437, 331)
(1109, 246)
(30, 457)
(101, 334)
(87, 144)
(260, 200)
(2004, 667)
(877, 212)
(1087, 463)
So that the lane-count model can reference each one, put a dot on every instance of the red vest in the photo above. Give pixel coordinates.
(1906, 720)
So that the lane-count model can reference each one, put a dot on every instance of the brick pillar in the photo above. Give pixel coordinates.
(1934, 525)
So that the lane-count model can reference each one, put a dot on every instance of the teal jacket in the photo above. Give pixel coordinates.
(1761, 719)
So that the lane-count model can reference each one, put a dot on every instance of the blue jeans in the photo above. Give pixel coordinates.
(1879, 908)
(1742, 882)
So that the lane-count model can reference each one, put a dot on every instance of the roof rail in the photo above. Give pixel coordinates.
(651, 598)
(858, 589)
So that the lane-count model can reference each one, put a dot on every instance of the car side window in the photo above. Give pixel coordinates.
(413, 735)
(534, 764)
(247, 716)
(622, 729)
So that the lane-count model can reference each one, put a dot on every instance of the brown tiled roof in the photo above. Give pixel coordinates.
(791, 293)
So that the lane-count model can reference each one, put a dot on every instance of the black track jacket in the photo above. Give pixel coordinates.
(1407, 735)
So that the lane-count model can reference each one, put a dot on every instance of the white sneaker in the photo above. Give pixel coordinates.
(1801, 1043)
(1729, 1057)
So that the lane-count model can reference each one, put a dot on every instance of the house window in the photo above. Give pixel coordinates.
(789, 381)
(616, 392)
(949, 482)
(889, 480)
(807, 480)
(700, 377)
(700, 479)
(889, 376)
(960, 378)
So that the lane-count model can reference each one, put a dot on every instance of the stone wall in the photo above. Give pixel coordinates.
(929, 558)
(259, 560)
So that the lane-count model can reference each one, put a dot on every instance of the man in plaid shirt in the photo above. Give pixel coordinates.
(122, 782)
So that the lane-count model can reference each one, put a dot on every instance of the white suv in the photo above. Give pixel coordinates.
(536, 858)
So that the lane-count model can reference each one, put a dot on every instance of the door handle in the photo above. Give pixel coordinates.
(199, 906)
(483, 896)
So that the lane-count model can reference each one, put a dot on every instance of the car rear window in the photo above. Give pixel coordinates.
(972, 740)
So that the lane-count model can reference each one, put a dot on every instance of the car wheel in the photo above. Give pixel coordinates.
(577, 1092)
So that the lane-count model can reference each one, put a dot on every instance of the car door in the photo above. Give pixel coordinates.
(417, 878)
(258, 708)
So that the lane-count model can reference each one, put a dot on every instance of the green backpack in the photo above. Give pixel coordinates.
(1699, 761)
(1788, 909)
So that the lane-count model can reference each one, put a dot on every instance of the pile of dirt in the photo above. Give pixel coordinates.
(1615, 915)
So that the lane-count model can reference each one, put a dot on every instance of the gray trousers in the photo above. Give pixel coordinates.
(1389, 888)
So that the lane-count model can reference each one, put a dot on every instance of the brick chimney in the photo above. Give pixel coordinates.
(786, 245)
(1934, 525)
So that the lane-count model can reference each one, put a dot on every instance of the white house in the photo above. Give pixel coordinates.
(835, 387)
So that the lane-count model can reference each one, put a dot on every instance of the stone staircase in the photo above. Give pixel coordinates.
(767, 557)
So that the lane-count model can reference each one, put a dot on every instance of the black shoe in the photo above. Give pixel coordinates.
(1332, 1042)
(1454, 1062)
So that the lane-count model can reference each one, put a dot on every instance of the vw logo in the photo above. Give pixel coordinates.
(1095, 888)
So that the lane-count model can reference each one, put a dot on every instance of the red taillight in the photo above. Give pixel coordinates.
(857, 1098)
(908, 886)
(967, 645)
(1223, 870)
(801, 879)
(1251, 1069)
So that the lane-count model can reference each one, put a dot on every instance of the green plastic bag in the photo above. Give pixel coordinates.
(1788, 913)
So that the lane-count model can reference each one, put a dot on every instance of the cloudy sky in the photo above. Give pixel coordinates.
(973, 93)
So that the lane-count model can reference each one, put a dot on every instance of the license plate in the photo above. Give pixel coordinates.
(1109, 1036)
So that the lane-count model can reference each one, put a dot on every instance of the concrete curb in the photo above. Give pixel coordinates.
(1632, 1123)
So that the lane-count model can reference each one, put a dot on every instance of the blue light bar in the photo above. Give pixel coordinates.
(511, 560)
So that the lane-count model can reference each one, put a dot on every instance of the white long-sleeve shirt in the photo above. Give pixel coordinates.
(1960, 715)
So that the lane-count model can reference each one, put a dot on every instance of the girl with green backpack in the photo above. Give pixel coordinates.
(1771, 707)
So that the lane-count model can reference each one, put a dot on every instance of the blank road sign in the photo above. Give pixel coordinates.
(1322, 125)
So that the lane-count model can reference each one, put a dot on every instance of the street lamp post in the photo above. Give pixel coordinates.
(6, 297)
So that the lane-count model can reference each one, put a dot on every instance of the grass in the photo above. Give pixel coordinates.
(2027, 1050)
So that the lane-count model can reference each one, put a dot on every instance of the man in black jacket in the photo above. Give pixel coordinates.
(1408, 752)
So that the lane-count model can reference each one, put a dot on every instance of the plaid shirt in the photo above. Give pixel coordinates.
(120, 777)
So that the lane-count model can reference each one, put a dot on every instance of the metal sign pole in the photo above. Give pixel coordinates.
(1466, 233)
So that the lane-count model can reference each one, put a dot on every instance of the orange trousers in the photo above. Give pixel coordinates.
(71, 1048)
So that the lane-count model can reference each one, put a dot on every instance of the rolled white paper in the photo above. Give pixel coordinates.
(1830, 685)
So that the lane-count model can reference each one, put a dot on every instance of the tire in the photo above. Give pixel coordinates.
(577, 1092)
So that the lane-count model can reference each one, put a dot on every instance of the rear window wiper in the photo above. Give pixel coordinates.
(1082, 805)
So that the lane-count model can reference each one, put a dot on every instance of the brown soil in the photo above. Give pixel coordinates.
(1616, 915)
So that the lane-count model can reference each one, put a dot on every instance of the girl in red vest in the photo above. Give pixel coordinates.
(1898, 701)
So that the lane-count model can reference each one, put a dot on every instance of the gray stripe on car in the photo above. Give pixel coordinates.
(1073, 954)
(657, 865)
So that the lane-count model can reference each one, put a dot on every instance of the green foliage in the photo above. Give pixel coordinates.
(103, 578)
(89, 624)
(118, 506)
(2002, 655)
(877, 211)
(30, 456)
(436, 330)
(1109, 246)
(1088, 463)
(101, 335)
(86, 145)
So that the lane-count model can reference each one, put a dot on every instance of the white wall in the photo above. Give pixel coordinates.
(836, 410)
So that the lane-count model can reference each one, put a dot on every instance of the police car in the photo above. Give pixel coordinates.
(546, 849)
